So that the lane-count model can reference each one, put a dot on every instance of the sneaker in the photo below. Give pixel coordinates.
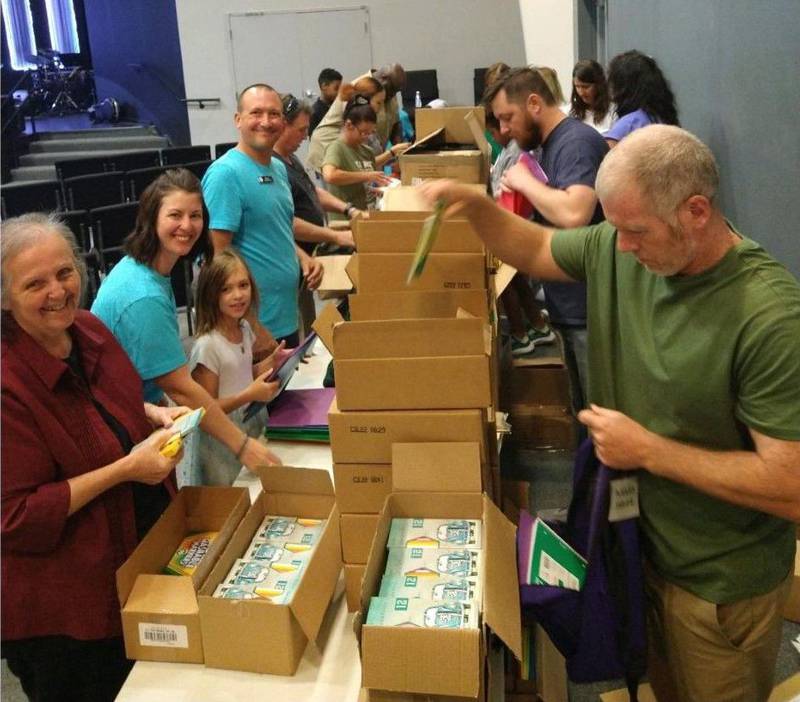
(541, 336)
(521, 347)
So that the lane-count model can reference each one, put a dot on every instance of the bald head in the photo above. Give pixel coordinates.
(666, 164)
(252, 89)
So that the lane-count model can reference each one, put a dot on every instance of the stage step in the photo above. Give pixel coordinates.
(98, 133)
(138, 143)
(52, 156)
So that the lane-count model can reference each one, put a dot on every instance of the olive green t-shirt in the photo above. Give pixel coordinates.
(347, 158)
(697, 359)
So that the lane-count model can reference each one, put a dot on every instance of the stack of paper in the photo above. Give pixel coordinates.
(301, 415)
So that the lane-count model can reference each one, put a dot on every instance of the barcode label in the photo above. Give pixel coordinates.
(166, 635)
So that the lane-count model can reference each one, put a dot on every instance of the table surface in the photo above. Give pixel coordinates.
(330, 668)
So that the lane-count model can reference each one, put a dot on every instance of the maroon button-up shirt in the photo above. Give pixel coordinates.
(58, 572)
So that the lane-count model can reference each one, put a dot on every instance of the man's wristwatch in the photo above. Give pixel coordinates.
(348, 210)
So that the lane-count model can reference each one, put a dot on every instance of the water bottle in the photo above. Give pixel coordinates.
(417, 99)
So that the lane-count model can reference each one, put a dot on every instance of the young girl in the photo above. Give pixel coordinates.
(222, 359)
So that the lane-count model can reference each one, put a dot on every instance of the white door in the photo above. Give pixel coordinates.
(287, 50)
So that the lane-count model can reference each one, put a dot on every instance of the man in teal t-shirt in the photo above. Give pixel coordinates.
(250, 207)
(694, 384)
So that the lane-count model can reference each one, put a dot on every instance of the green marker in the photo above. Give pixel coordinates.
(427, 238)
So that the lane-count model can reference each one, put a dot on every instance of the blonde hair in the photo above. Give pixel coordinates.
(551, 78)
(213, 276)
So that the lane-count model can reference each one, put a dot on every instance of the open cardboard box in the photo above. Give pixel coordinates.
(366, 437)
(160, 613)
(452, 145)
(405, 202)
(408, 363)
(440, 661)
(401, 236)
(388, 272)
(357, 532)
(418, 304)
(256, 635)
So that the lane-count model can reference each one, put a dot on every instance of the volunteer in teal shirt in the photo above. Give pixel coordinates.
(138, 306)
(254, 201)
(136, 303)
(250, 206)
(694, 380)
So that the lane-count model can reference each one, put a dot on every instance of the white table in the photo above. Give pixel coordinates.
(330, 669)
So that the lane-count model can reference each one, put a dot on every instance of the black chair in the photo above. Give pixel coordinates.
(199, 168)
(110, 225)
(220, 149)
(182, 289)
(177, 155)
(90, 191)
(37, 196)
(78, 222)
(133, 160)
(137, 180)
(73, 167)
(91, 261)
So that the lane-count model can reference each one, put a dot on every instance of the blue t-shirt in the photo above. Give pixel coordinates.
(137, 304)
(629, 123)
(255, 203)
(571, 155)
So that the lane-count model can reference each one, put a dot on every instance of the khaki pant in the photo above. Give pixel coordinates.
(704, 652)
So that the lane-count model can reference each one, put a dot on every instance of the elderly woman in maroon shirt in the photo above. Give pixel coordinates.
(75, 500)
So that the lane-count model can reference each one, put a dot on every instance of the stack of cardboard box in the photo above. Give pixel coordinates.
(412, 365)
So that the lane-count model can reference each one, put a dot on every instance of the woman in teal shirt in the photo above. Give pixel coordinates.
(137, 304)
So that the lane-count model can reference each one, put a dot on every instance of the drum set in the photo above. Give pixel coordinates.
(58, 89)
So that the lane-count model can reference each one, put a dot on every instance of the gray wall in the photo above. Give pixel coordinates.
(734, 66)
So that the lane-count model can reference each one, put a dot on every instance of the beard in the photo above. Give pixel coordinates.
(532, 138)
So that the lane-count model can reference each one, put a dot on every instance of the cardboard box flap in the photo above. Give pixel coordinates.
(452, 120)
(418, 304)
(401, 236)
(461, 313)
(310, 601)
(406, 201)
(503, 278)
(409, 338)
(293, 480)
(334, 274)
(501, 610)
(436, 467)
(162, 594)
(352, 270)
(478, 136)
(430, 141)
(324, 324)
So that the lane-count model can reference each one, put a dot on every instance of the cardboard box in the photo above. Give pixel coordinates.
(357, 532)
(335, 281)
(551, 669)
(428, 304)
(361, 488)
(452, 145)
(791, 610)
(545, 427)
(378, 273)
(401, 236)
(536, 387)
(366, 437)
(408, 364)
(438, 661)
(353, 574)
(160, 613)
(405, 202)
(259, 636)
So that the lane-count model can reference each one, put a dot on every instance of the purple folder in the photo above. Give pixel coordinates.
(295, 409)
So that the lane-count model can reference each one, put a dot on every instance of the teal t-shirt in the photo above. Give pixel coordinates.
(255, 203)
(697, 359)
(137, 304)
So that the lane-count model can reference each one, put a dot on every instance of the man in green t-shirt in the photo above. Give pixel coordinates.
(694, 384)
